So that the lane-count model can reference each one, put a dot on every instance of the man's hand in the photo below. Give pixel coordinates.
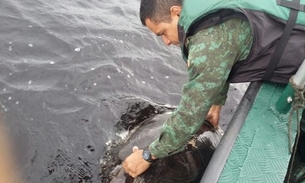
(134, 164)
(213, 115)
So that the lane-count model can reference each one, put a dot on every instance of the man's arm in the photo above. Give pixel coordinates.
(212, 53)
(214, 112)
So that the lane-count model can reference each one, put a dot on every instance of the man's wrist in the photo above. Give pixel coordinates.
(147, 156)
(216, 107)
(152, 156)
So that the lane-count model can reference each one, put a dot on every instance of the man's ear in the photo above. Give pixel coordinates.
(175, 11)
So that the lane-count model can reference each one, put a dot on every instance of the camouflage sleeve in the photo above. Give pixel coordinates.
(212, 53)
(222, 96)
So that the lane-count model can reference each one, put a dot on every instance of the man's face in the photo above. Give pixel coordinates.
(167, 30)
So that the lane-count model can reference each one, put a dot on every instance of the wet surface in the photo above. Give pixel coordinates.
(186, 166)
(138, 128)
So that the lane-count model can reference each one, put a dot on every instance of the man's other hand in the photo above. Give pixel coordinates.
(213, 115)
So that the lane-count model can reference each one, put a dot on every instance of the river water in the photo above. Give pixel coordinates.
(69, 72)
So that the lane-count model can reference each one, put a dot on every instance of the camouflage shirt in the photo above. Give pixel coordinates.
(212, 53)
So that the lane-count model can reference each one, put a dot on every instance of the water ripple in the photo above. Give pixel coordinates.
(58, 111)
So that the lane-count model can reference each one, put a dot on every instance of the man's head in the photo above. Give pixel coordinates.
(161, 17)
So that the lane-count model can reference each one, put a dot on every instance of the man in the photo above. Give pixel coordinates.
(221, 42)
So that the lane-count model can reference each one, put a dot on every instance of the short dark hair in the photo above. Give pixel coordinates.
(157, 10)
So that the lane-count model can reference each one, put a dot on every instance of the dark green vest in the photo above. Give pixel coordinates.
(268, 20)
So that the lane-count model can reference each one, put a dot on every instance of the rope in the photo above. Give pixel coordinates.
(297, 104)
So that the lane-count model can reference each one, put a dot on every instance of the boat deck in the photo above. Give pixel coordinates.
(261, 151)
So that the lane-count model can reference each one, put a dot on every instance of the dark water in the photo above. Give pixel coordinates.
(69, 71)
